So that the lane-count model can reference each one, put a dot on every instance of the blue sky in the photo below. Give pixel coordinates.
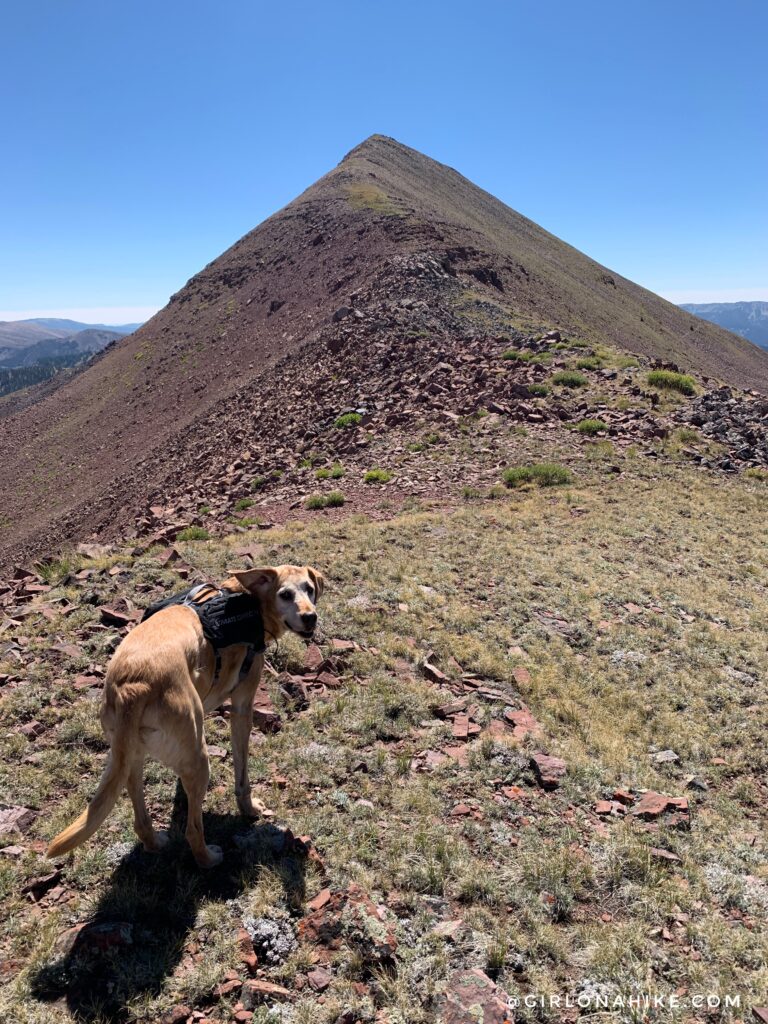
(141, 139)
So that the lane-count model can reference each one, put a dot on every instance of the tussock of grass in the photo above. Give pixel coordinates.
(377, 476)
(591, 427)
(544, 474)
(569, 379)
(334, 499)
(335, 472)
(538, 390)
(668, 380)
(349, 419)
(589, 363)
(193, 533)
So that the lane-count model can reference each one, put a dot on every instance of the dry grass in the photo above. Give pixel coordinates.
(550, 896)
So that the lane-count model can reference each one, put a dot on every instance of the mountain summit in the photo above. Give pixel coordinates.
(390, 246)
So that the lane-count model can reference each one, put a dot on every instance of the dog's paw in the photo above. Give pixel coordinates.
(159, 842)
(215, 855)
(254, 808)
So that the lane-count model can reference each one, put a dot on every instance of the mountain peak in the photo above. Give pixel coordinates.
(392, 260)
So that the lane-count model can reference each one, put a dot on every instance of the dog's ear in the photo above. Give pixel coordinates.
(317, 579)
(257, 581)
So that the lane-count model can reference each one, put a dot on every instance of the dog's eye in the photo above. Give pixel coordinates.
(287, 595)
(310, 591)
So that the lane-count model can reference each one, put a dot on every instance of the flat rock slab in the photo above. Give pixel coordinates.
(471, 996)
(16, 819)
(549, 771)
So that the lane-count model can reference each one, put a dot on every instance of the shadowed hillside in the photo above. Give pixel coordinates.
(387, 227)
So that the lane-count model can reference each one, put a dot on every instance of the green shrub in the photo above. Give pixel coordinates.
(349, 419)
(334, 499)
(538, 390)
(513, 354)
(589, 363)
(242, 504)
(757, 474)
(569, 379)
(471, 493)
(591, 427)
(671, 381)
(258, 482)
(688, 435)
(335, 472)
(544, 474)
(377, 476)
(193, 533)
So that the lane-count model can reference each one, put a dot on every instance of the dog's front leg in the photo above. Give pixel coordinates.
(241, 723)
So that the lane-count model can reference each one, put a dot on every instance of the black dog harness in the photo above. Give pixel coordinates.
(228, 617)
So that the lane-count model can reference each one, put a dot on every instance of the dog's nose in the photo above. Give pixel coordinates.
(309, 619)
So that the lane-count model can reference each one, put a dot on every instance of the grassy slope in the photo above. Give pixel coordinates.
(549, 893)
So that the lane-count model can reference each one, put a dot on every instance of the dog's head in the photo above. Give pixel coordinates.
(288, 595)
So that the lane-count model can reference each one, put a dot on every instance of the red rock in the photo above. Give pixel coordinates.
(603, 806)
(461, 810)
(521, 675)
(16, 819)
(454, 707)
(256, 990)
(168, 555)
(522, 721)
(633, 609)
(242, 1016)
(113, 617)
(433, 673)
(461, 727)
(319, 979)
(343, 646)
(459, 754)
(38, 887)
(328, 679)
(623, 796)
(760, 1013)
(32, 729)
(227, 988)
(366, 927)
(512, 792)
(472, 996)
(665, 855)
(322, 898)
(651, 805)
(448, 929)
(177, 1015)
(549, 770)
(313, 658)
(267, 720)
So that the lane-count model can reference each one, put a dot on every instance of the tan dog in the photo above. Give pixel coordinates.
(160, 684)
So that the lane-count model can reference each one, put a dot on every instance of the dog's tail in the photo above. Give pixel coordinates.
(110, 787)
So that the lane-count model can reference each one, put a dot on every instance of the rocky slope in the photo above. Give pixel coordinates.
(388, 261)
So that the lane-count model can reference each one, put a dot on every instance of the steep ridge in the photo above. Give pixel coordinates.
(333, 270)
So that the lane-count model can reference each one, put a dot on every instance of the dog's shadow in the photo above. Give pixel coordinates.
(137, 935)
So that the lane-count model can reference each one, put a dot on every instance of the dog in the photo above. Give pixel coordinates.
(161, 682)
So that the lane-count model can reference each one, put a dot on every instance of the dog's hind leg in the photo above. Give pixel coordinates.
(194, 779)
(153, 841)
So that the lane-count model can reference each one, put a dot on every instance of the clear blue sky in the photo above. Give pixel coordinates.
(141, 139)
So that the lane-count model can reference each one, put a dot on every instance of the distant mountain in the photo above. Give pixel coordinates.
(24, 343)
(66, 351)
(75, 325)
(23, 333)
(748, 319)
